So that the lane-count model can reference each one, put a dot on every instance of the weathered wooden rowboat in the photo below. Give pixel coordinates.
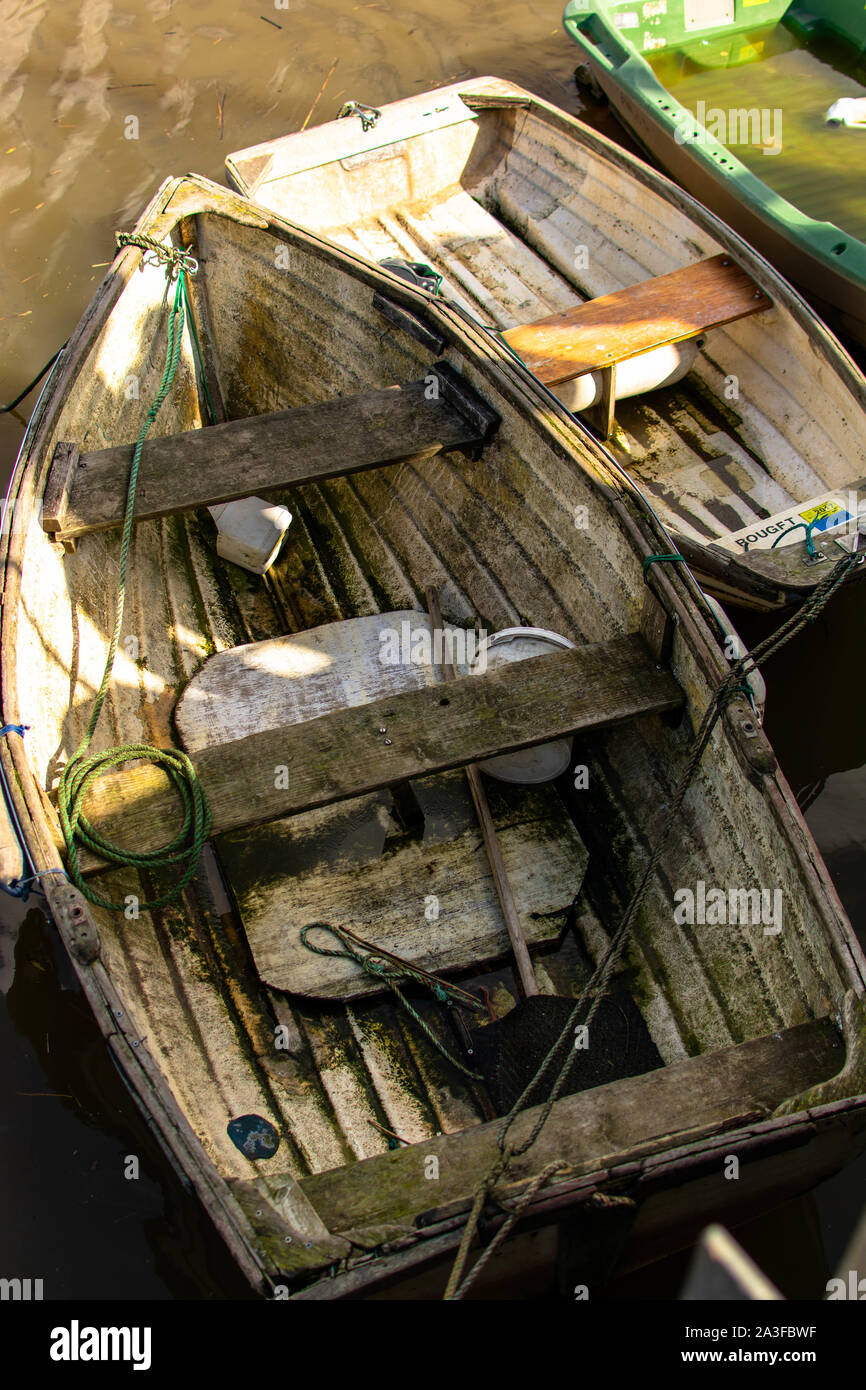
(718, 388)
(278, 1079)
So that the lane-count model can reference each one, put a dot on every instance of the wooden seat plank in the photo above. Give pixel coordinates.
(260, 455)
(278, 772)
(590, 1130)
(614, 327)
(362, 860)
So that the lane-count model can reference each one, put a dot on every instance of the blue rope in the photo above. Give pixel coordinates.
(17, 887)
(21, 887)
(801, 525)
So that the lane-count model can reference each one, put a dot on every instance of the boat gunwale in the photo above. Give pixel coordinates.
(772, 210)
(660, 1169)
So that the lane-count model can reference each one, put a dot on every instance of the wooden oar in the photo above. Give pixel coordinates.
(525, 972)
(510, 1051)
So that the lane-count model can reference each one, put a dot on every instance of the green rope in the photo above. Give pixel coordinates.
(81, 771)
(659, 559)
(806, 526)
(191, 321)
(383, 966)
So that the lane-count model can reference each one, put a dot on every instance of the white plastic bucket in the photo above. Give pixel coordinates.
(544, 761)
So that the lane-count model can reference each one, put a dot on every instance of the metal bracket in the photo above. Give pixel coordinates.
(369, 114)
(457, 392)
(410, 323)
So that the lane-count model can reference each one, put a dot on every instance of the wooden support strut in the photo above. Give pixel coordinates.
(504, 892)
(342, 754)
(55, 499)
(266, 453)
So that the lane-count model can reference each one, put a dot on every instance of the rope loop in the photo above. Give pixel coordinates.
(393, 969)
(369, 114)
(673, 558)
(176, 259)
(808, 527)
(84, 768)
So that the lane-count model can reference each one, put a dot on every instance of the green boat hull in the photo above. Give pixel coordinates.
(821, 258)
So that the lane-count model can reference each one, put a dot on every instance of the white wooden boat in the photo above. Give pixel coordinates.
(334, 1146)
(725, 397)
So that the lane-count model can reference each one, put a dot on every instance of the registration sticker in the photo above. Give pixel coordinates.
(824, 514)
(825, 517)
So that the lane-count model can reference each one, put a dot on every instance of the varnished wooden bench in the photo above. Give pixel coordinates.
(265, 453)
(343, 753)
(602, 332)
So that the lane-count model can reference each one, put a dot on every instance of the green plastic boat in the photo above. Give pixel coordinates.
(733, 97)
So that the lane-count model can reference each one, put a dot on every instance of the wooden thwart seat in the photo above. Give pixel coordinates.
(266, 453)
(278, 772)
(591, 1131)
(604, 331)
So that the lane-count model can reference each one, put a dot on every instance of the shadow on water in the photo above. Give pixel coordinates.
(68, 178)
(69, 1130)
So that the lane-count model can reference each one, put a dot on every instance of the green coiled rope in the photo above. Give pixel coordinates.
(83, 769)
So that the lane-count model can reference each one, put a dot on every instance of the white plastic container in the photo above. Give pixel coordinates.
(662, 366)
(250, 532)
(754, 679)
(544, 761)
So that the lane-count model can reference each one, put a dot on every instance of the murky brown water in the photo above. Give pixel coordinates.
(72, 77)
